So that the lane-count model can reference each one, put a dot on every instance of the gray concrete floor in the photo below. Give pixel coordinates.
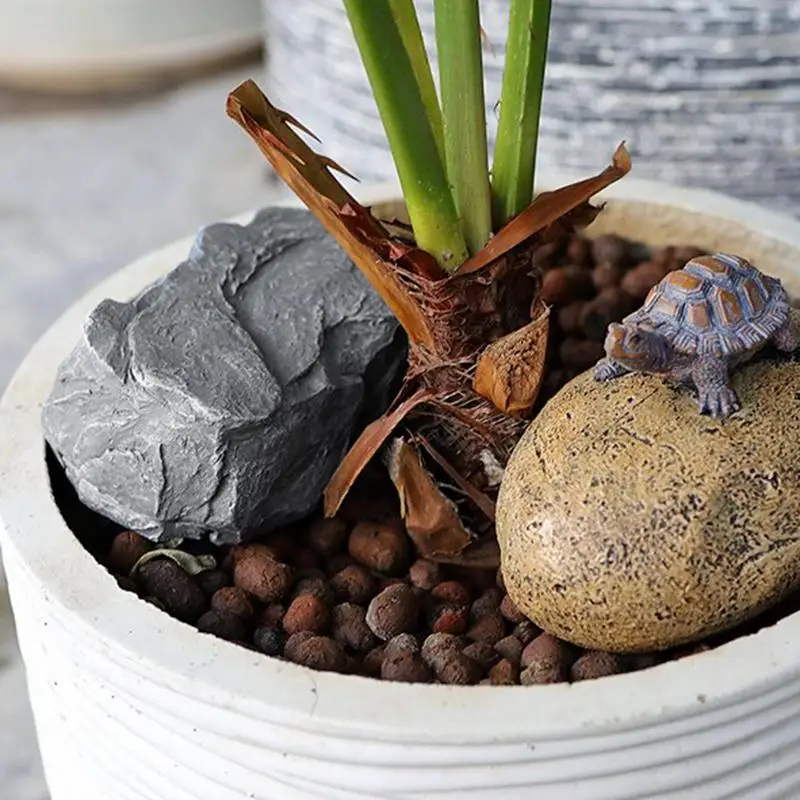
(86, 187)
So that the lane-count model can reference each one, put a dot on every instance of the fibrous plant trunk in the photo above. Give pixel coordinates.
(477, 338)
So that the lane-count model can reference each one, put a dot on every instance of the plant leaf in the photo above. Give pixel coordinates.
(458, 44)
(308, 175)
(382, 36)
(365, 447)
(546, 209)
(483, 553)
(192, 564)
(514, 163)
(432, 521)
(481, 500)
(510, 369)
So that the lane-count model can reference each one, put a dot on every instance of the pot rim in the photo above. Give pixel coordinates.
(35, 539)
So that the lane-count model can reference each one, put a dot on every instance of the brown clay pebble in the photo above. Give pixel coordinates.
(607, 275)
(439, 646)
(283, 544)
(321, 653)
(353, 584)
(580, 354)
(457, 668)
(406, 667)
(596, 664)
(212, 580)
(565, 284)
(610, 249)
(510, 611)
(643, 661)
(640, 280)
(569, 317)
(223, 625)
(349, 627)
(490, 628)
(611, 305)
(545, 255)
(385, 583)
(373, 661)
(125, 583)
(395, 610)
(483, 653)
(382, 547)
(174, 588)
(510, 648)
(538, 673)
(338, 562)
(262, 576)
(684, 253)
(293, 643)
(269, 641)
(313, 585)
(544, 647)
(402, 643)
(327, 536)
(232, 600)
(663, 256)
(240, 551)
(271, 615)
(424, 574)
(126, 549)
(526, 632)
(544, 660)
(579, 250)
(488, 601)
(504, 673)
(449, 618)
(306, 613)
(305, 559)
(451, 592)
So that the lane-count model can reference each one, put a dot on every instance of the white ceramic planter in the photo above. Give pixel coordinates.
(86, 45)
(133, 705)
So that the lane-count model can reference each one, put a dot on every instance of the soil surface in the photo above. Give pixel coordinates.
(349, 594)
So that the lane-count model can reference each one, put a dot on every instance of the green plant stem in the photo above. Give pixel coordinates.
(513, 170)
(409, 130)
(458, 43)
(405, 15)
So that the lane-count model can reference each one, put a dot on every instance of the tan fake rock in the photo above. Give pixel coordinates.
(628, 522)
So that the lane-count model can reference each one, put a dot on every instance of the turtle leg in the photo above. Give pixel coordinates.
(715, 396)
(787, 338)
(606, 370)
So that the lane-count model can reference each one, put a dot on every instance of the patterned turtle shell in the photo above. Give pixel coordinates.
(717, 304)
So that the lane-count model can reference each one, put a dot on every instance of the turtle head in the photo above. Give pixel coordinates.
(635, 348)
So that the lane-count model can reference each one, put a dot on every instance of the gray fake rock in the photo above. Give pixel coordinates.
(221, 399)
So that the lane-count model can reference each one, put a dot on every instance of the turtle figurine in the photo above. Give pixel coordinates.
(700, 322)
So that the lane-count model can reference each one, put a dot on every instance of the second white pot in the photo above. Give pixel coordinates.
(90, 45)
(133, 705)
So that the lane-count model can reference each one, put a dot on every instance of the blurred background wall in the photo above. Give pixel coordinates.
(706, 92)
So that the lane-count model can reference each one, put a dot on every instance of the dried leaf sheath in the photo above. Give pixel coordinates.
(358, 233)
(476, 352)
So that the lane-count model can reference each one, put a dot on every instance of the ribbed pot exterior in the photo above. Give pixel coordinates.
(132, 705)
(706, 93)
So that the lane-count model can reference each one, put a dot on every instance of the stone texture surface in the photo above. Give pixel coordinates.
(221, 399)
(628, 522)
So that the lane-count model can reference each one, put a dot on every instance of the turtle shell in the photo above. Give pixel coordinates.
(717, 304)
